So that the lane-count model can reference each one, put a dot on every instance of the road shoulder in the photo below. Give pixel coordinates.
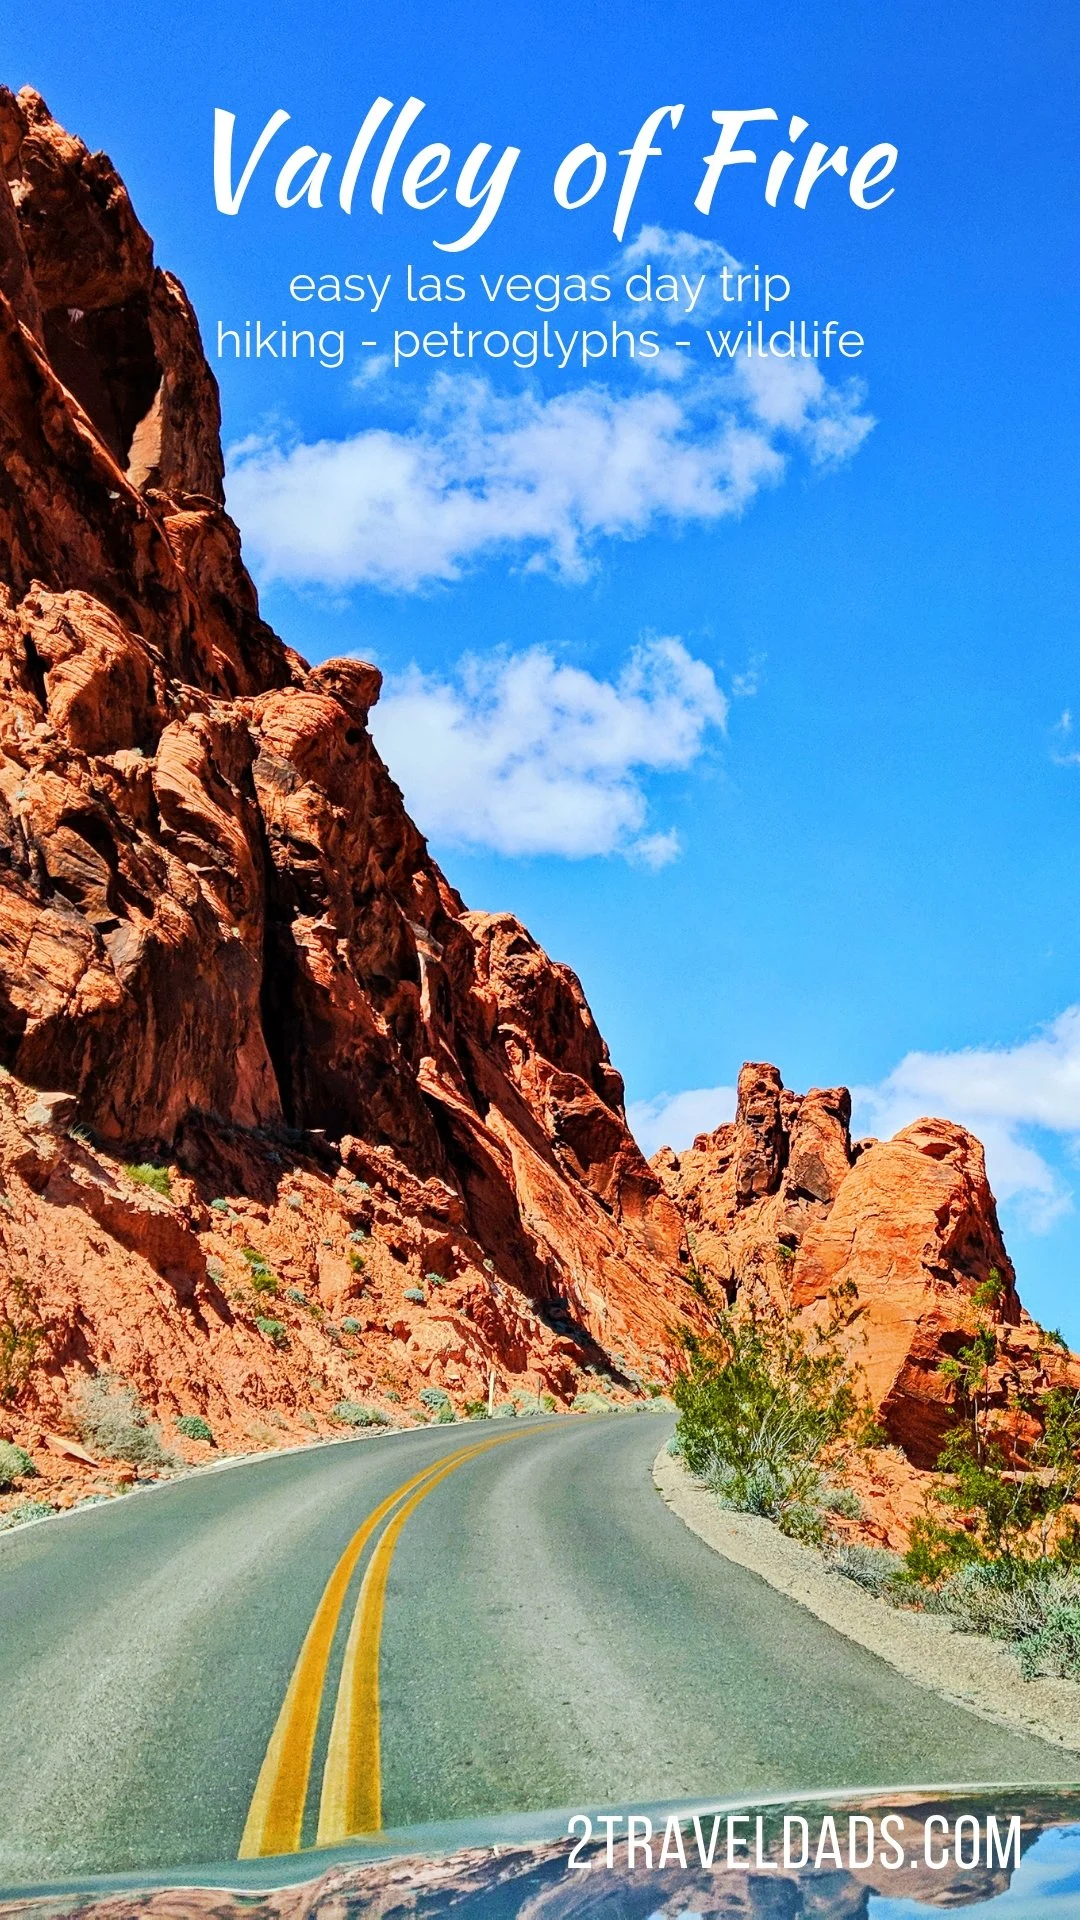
(972, 1671)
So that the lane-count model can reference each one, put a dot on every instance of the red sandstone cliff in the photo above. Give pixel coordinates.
(783, 1200)
(223, 937)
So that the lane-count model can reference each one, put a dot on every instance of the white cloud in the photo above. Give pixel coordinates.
(673, 1119)
(544, 478)
(1003, 1094)
(526, 755)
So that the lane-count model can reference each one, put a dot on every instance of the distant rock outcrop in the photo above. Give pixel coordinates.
(784, 1200)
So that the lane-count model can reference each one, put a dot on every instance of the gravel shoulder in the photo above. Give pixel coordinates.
(968, 1669)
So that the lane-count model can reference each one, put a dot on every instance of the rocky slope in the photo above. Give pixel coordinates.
(224, 940)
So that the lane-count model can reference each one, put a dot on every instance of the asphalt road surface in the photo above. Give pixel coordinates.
(460, 1621)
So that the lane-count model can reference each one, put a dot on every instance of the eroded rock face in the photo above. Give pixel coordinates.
(781, 1199)
(224, 939)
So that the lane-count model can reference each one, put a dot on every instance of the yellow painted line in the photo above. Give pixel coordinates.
(351, 1801)
(276, 1816)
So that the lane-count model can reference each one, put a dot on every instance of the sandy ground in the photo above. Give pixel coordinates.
(966, 1668)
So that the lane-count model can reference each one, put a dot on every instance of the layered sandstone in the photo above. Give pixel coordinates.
(223, 937)
(901, 1234)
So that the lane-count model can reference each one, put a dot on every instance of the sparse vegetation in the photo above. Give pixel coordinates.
(146, 1174)
(434, 1397)
(111, 1419)
(272, 1330)
(762, 1406)
(350, 1324)
(475, 1410)
(15, 1464)
(24, 1513)
(416, 1295)
(874, 1568)
(356, 1260)
(435, 1279)
(261, 1275)
(350, 1413)
(194, 1427)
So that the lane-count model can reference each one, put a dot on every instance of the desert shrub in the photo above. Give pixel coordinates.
(194, 1427)
(435, 1279)
(273, 1331)
(434, 1397)
(307, 1419)
(842, 1500)
(445, 1416)
(653, 1389)
(590, 1402)
(874, 1568)
(111, 1418)
(1054, 1648)
(760, 1404)
(416, 1294)
(220, 1206)
(350, 1325)
(156, 1178)
(506, 1410)
(804, 1521)
(674, 1447)
(260, 1273)
(297, 1296)
(1008, 1599)
(295, 1201)
(476, 1410)
(350, 1413)
(15, 1464)
(359, 1235)
(24, 1513)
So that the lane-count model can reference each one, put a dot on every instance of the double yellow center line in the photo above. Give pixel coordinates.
(351, 1798)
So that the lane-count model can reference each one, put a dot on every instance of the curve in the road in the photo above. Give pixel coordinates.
(552, 1636)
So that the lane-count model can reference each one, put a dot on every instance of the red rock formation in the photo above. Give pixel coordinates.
(221, 934)
(781, 1199)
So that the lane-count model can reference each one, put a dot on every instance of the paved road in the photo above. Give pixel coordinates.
(534, 1629)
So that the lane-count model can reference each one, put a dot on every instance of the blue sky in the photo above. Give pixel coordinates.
(765, 721)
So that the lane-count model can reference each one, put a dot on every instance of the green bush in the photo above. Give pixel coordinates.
(156, 1178)
(476, 1410)
(445, 1416)
(356, 1260)
(760, 1405)
(350, 1325)
(24, 1513)
(194, 1427)
(1054, 1648)
(434, 1397)
(15, 1464)
(111, 1418)
(435, 1279)
(416, 1294)
(272, 1330)
(350, 1413)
